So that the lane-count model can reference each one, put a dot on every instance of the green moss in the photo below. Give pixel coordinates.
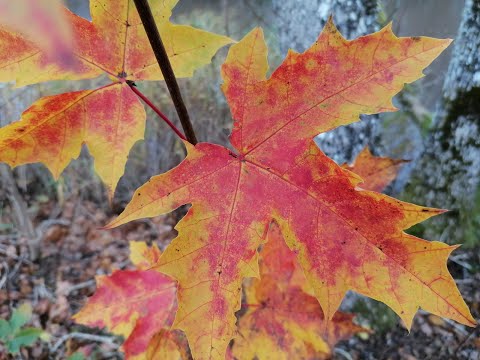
(465, 104)
(425, 121)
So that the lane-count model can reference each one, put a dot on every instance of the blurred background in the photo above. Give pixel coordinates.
(50, 243)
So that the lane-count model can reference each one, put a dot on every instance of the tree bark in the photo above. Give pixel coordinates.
(300, 22)
(448, 174)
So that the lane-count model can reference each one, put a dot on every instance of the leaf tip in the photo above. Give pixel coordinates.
(112, 224)
(388, 29)
(330, 21)
(447, 41)
(330, 29)
(428, 212)
(472, 322)
(257, 31)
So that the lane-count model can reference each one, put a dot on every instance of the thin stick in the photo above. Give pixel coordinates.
(162, 58)
(80, 286)
(4, 278)
(157, 110)
(98, 338)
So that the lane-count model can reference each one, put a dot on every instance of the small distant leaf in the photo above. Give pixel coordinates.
(20, 316)
(5, 329)
(44, 23)
(135, 304)
(24, 337)
(45, 336)
(376, 172)
(143, 256)
(76, 356)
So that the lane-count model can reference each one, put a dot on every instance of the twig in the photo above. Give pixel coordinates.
(457, 260)
(42, 229)
(456, 326)
(15, 257)
(452, 323)
(41, 292)
(4, 278)
(98, 338)
(157, 110)
(465, 339)
(343, 353)
(151, 29)
(46, 224)
(15, 270)
(79, 286)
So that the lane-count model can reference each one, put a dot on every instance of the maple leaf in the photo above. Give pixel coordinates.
(376, 172)
(136, 304)
(109, 119)
(47, 27)
(345, 238)
(282, 321)
(168, 345)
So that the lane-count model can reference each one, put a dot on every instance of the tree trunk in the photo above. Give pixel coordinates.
(300, 22)
(448, 173)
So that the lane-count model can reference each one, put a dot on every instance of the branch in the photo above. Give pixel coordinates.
(98, 338)
(151, 29)
(157, 110)
(79, 286)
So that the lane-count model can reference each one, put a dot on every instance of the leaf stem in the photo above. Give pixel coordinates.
(157, 110)
(151, 29)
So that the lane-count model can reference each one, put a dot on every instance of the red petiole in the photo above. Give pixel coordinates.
(157, 111)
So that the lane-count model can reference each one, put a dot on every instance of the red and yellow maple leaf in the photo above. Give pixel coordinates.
(376, 172)
(168, 345)
(345, 238)
(110, 119)
(136, 304)
(282, 321)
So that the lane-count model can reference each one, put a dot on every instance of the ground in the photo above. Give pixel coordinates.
(74, 252)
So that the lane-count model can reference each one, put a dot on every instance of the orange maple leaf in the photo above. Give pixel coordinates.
(345, 238)
(282, 321)
(136, 304)
(376, 172)
(109, 120)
